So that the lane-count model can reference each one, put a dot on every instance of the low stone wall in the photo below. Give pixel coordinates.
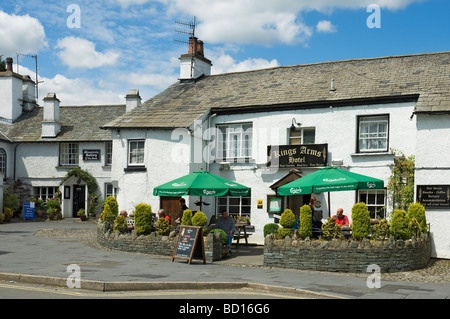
(153, 244)
(348, 255)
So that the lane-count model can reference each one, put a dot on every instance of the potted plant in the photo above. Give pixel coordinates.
(82, 214)
(8, 214)
(2, 218)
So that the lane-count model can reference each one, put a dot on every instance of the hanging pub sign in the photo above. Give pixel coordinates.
(288, 156)
(91, 155)
(434, 196)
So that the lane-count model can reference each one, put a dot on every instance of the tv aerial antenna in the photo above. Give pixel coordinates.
(187, 28)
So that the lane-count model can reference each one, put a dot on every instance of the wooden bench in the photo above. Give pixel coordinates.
(237, 236)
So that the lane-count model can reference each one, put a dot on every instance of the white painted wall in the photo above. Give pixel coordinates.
(10, 96)
(433, 168)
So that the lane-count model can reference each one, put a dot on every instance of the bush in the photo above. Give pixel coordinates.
(223, 235)
(270, 229)
(305, 228)
(381, 230)
(287, 219)
(417, 211)
(330, 229)
(400, 225)
(186, 220)
(107, 215)
(11, 199)
(162, 227)
(120, 224)
(143, 219)
(199, 219)
(361, 221)
(113, 205)
(283, 232)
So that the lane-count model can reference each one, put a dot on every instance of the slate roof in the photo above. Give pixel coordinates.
(78, 123)
(422, 77)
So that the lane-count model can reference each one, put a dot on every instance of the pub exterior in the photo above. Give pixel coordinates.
(265, 128)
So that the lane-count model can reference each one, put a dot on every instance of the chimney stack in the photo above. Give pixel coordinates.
(194, 64)
(9, 64)
(133, 100)
(50, 123)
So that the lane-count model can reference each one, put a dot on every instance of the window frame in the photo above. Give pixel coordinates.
(75, 155)
(377, 193)
(129, 153)
(3, 162)
(225, 132)
(381, 118)
(108, 153)
(301, 136)
(228, 205)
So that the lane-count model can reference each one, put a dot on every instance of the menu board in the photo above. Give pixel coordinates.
(189, 244)
(434, 196)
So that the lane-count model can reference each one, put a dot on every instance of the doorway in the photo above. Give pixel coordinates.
(79, 198)
(297, 201)
(171, 207)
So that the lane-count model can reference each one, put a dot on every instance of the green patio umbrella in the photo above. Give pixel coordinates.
(329, 179)
(201, 183)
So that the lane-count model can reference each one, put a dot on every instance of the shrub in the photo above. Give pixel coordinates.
(270, 229)
(113, 205)
(162, 227)
(417, 211)
(120, 224)
(283, 232)
(287, 219)
(11, 199)
(361, 221)
(107, 215)
(199, 219)
(381, 230)
(414, 227)
(187, 218)
(223, 235)
(400, 225)
(305, 228)
(330, 229)
(143, 219)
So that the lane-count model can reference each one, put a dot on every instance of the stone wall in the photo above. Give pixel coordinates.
(153, 244)
(347, 255)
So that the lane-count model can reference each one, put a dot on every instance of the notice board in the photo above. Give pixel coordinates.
(189, 244)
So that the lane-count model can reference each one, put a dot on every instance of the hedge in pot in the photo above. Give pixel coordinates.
(361, 221)
(223, 235)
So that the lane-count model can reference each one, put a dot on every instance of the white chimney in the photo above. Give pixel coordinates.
(50, 123)
(133, 100)
(194, 64)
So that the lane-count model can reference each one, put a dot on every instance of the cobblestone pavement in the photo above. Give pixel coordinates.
(438, 270)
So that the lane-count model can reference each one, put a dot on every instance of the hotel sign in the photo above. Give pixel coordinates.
(434, 196)
(289, 156)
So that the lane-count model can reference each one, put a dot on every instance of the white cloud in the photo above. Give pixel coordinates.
(224, 63)
(80, 53)
(20, 34)
(325, 26)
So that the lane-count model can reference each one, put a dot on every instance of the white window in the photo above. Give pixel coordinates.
(302, 136)
(108, 160)
(68, 154)
(136, 152)
(234, 141)
(3, 162)
(235, 205)
(373, 133)
(110, 190)
(375, 200)
(45, 193)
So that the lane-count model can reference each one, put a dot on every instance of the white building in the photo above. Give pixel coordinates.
(351, 112)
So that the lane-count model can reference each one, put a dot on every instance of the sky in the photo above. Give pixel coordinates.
(93, 52)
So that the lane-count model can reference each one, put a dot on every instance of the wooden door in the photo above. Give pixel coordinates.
(171, 206)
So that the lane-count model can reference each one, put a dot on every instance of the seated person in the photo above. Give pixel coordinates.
(162, 214)
(227, 224)
(340, 218)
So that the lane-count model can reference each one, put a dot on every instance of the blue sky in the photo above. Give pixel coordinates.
(125, 44)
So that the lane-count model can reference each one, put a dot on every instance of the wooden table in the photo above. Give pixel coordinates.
(238, 236)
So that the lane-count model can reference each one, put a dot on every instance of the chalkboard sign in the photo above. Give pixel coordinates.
(189, 244)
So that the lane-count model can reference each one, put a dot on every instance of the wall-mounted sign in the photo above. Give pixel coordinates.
(287, 156)
(28, 210)
(91, 155)
(434, 196)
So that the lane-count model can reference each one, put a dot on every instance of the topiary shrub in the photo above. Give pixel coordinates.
(120, 224)
(400, 225)
(381, 230)
(223, 235)
(361, 221)
(107, 215)
(287, 219)
(162, 227)
(417, 211)
(330, 229)
(113, 205)
(187, 218)
(305, 228)
(283, 232)
(199, 219)
(143, 219)
(270, 229)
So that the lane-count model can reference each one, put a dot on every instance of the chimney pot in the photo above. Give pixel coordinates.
(9, 64)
